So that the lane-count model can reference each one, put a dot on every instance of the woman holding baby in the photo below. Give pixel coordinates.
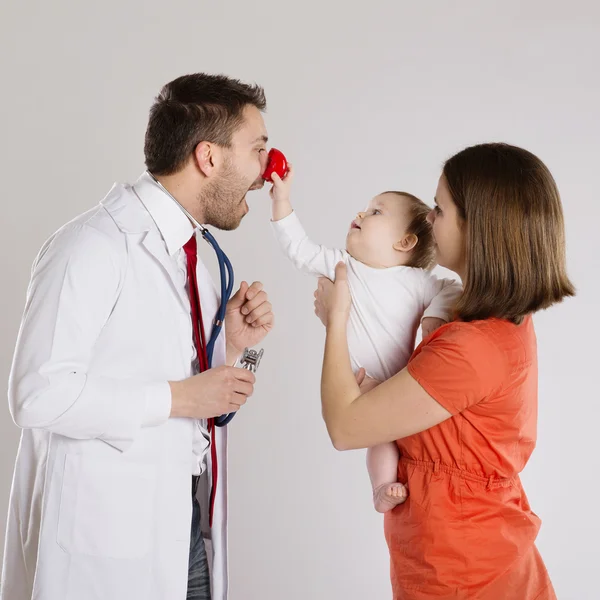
(463, 413)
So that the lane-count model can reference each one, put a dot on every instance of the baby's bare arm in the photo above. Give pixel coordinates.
(281, 205)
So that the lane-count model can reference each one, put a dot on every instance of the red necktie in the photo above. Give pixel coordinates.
(191, 252)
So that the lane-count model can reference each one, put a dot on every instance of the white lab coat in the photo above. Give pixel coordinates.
(100, 506)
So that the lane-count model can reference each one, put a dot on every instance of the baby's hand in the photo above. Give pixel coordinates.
(430, 324)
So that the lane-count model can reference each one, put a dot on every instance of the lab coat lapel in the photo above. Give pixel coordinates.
(132, 218)
(155, 245)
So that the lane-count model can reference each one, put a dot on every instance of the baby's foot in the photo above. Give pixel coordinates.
(388, 495)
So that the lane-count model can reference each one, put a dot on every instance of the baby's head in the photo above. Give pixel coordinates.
(392, 231)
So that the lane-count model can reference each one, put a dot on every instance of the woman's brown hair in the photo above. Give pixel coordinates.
(514, 226)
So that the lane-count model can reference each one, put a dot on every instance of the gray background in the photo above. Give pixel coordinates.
(362, 98)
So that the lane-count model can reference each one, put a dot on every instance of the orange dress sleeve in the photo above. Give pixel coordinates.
(459, 366)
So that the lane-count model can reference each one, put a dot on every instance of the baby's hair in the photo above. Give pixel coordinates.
(423, 254)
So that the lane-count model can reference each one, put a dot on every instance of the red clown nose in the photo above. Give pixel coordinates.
(276, 163)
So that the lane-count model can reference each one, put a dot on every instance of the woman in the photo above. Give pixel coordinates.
(464, 410)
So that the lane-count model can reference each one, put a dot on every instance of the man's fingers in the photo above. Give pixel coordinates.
(240, 296)
(267, 319)
(259, 311)
(257, 299)
(253, 290)
(244, 389)
(244, 375)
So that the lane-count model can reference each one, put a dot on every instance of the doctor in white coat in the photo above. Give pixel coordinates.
(105, 380)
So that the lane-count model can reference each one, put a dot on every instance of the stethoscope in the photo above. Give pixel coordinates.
(226, 272)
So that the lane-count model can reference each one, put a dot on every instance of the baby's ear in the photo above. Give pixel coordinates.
(407, 243)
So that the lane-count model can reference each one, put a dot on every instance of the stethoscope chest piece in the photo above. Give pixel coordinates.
(251, 359)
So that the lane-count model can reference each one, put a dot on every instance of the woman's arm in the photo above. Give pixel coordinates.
(397, 408)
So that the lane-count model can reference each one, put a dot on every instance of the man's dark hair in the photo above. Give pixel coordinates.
(192, 109)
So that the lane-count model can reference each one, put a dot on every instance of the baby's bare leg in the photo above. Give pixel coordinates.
(382, 464)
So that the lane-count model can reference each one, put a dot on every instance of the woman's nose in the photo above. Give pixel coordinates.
(431, 217)
(360, 215)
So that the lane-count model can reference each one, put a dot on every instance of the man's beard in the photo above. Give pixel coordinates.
(222, 200)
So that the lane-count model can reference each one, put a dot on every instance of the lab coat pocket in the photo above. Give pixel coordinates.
(106, 507)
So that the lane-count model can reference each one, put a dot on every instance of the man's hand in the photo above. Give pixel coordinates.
(215, 392)
(430, 324)
(248, 319)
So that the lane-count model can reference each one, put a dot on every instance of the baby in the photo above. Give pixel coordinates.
(389, 253)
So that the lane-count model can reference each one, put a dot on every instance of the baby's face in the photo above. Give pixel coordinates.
(374, 232)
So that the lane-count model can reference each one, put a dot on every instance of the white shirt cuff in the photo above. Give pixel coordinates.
(158, 404)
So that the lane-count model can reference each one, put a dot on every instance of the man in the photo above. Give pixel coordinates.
(105, 380)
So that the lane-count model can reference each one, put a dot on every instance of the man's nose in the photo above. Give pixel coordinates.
(258, 184)
(264, 159)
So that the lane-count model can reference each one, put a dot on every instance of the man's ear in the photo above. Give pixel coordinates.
(407, 243)
(206, 156)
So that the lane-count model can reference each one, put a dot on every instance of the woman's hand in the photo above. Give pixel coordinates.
(430, 324)
(365, 383)
(332, 299)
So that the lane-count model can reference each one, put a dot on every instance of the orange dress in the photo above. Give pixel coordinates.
(466, 530)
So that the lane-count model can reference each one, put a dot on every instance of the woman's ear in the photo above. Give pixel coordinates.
(407, 243)
(205, 157)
